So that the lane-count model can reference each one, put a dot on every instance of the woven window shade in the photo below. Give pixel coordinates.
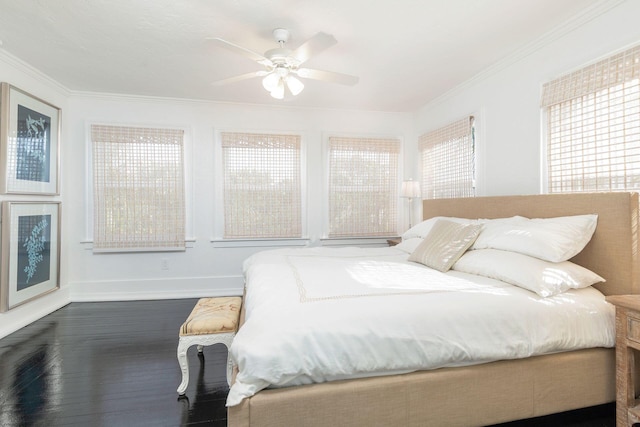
(363, 187)
(593, 126)
(448, 161)
(262, 189)
(138, 187)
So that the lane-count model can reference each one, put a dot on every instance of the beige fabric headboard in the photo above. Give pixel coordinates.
(613, 250)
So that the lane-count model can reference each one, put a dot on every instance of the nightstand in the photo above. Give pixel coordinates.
(393, 242)
(627, 349)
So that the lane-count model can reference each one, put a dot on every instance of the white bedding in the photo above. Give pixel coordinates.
(322, 314)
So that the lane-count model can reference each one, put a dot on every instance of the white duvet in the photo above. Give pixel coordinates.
(323, 314)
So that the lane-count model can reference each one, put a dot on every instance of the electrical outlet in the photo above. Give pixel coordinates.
(164, 264)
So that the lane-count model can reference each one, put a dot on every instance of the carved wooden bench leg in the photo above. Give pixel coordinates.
(183, 346)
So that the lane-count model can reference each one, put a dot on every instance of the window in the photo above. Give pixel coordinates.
(261, 185)
(363, 187)
(593, 126)
(138, 188)
(447, 157)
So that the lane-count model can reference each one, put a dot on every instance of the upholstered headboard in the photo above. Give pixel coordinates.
(613, 250)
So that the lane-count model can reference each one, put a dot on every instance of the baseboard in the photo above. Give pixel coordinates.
(153, 289)
(23, 315)
(122, 290)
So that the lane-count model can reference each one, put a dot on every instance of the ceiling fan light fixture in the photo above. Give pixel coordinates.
(281, 64)
(278, 92)
(294, 85)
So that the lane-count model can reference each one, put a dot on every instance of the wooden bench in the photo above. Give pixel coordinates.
(212, 321)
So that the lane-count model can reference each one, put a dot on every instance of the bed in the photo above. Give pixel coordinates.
(485, 393)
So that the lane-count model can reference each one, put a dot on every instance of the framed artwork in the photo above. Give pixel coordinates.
(30, 251)
(29, 141)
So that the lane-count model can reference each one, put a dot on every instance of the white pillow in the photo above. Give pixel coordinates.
(551, 239)
(444, 244)
(422, 229)
(542, 277)
(409, 245)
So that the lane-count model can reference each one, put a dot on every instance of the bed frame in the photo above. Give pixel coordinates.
(493, 392)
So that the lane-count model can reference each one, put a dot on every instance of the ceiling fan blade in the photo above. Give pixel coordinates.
(240, 77)
(327, 76)
(254, 56)
(313, 46)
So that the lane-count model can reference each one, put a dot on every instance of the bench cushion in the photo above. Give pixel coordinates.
(213, 316)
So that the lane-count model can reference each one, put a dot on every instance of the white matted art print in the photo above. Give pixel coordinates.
(30, 251)
(29, 141)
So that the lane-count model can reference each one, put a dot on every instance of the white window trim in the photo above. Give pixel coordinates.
(218, 194)
(544, 164)
(478, 181)
(188, 179)
(402, 210)
(480, 152)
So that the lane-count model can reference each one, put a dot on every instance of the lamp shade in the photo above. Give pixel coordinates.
(410, 189)
(294, 85)
(278, 92)
(270, 82)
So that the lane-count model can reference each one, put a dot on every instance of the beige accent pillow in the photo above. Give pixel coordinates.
(445, 244)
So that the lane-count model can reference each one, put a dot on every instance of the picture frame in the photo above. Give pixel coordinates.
(30, 266)
(29, 143)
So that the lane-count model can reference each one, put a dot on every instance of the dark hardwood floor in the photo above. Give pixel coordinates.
(114, 364)
(109, 364)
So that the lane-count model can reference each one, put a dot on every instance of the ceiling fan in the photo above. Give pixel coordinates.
(282, 65)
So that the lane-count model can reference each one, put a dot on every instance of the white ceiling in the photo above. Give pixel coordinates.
(406, 52)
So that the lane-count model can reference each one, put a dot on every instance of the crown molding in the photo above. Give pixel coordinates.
(32, 72)
(576, 21)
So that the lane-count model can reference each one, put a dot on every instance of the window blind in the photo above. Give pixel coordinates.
(363, 186)
(593, 126)
(138, 188)
(262, 186)
(447, 157)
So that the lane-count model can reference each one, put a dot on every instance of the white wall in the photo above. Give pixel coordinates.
(507, 99)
